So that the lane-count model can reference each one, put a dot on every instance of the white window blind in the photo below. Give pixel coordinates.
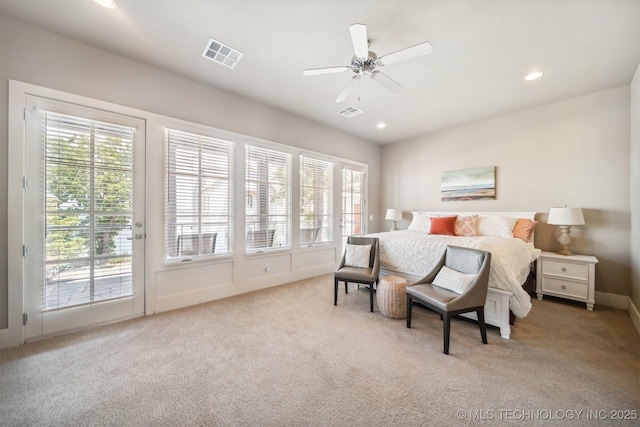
(315, 200)
(352, 202)
(268, 199)
(199, 196)
(88, 177)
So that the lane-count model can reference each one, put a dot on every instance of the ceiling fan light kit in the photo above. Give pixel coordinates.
(366, 63)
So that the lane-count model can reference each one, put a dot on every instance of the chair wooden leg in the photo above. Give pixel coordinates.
(409, 306)
(335, 292)
(483, 326)
(446, 329)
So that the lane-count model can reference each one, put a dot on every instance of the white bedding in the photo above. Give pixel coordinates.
(416, 252)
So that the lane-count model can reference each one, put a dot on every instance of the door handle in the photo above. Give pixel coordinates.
(137, 237)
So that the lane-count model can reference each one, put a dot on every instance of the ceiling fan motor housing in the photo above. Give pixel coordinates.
(364, 65)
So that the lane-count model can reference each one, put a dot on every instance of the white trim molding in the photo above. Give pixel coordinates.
(634, 314)
(612, 300)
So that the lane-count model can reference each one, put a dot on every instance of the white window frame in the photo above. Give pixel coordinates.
(269, 233)
(323, 235)
(344, 221)
(201, 233)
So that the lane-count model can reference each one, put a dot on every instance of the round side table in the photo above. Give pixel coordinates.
(391, 296)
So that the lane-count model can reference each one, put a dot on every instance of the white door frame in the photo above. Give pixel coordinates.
(16, 200)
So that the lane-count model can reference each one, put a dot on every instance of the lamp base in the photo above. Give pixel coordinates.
(393, 226)
(565, 240)
(565, 251)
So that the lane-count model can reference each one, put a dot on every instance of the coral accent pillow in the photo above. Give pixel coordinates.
(466, 225)
(443, 225)
(524, 229)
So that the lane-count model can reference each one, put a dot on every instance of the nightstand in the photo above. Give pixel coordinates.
(571, 277)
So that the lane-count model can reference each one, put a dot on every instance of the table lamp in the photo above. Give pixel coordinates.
(565, 218)
(393, 215)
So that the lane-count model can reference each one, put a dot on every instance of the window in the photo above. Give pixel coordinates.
(88, 185)
(199, 196)
(268, 199)
(352, 202)
(315, 201)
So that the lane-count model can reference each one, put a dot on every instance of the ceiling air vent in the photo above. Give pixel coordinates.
(222, 54)
(350, 112)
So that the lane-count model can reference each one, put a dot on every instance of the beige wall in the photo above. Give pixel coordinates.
(3, 188)
(37, 57)
(574, 152)
(635, 190)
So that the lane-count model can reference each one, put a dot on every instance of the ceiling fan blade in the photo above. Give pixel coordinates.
(359, 39)
(347, 89)
(386, 81)
(317, 71)
(404, 54)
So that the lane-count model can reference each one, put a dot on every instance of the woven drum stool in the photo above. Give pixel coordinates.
(391, 296)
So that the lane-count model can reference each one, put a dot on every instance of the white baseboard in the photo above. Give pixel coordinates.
(634, 314)
(612, 300)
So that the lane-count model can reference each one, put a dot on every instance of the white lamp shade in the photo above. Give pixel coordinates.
(565, 216)
(394, 215)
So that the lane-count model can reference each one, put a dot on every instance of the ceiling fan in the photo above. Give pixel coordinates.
(366, 63)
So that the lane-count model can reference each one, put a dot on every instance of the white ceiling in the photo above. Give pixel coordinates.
(481, 51)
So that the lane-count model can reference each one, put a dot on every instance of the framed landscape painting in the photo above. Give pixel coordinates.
(468, 184)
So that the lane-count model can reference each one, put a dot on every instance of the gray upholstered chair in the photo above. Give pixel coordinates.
(362, 275)
(447, 302)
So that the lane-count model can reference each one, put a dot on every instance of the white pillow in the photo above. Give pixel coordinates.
(420, 221)
(453, 280)
(357, 256)
(494, 225)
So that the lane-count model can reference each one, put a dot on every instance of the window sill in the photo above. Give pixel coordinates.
(198, 260)
(268, 251)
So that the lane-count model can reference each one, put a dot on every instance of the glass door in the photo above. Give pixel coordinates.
(85, 217)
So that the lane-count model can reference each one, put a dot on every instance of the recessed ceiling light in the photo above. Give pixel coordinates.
(106, 3)
(534, 75)
(381, 125)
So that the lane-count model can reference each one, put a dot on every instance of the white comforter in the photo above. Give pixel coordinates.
(416, 252)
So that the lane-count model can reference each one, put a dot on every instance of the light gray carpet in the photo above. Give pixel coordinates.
(286, 356)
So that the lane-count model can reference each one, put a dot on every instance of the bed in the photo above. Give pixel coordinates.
(413, 252)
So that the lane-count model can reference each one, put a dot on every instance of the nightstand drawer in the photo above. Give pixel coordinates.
(565, 287)
(566, 269)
